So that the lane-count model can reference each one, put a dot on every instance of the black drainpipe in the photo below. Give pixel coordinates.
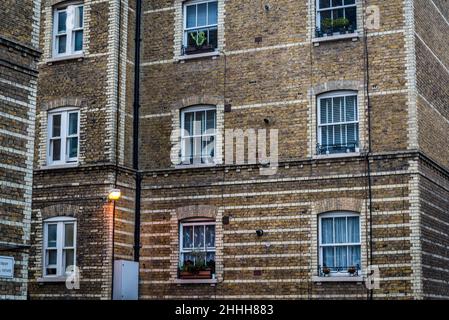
(136, 130)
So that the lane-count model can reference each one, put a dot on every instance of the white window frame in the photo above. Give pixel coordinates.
(338, 214)
(186, 30)
(70, 30)
(318, 11)
(64, 156)
(184, 137)
(200, 222)
(338, 94)
(60, 222)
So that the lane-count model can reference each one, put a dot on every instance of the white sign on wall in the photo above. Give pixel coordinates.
(6, 267)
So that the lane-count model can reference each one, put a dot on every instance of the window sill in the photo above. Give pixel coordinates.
(337, 279)
(198, 56)
(52, 279)
(354, 36)
(195, 166)
(60, 166)
(336, 155)
(79, 57)
(212, 282)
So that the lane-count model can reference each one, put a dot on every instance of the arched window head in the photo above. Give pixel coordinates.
(198, 135)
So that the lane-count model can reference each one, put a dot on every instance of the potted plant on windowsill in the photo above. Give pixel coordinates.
(326, 271)
(200, 44)
(198, 270)
(327, 26)
(352, 270)
(341, 24)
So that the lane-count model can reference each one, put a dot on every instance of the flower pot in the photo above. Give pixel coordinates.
(326, 271)
(352, 270)
(202, 274)
(197, 50)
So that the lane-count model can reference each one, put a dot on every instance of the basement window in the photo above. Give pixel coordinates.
(335, 17)
(59, 246)
(338, 123)
(63, 137)
(68, 30)
(197, 249)
(339, 241)
(200, 27)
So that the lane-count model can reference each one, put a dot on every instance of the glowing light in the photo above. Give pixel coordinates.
(115, 194)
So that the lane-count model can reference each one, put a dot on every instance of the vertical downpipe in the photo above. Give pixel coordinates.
(136, 130)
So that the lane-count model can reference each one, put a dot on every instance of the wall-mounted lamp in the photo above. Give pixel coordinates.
(259, 232)
(114, 194)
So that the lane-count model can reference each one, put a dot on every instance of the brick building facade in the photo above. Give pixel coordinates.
(19, 29)
(359, 108)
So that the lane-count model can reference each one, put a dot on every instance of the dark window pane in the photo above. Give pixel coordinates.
(198, 237)
(56, 149)
(210, 121)
(348, 2)
(338, 13)
(191, 38)
(202, 15)
(188, 123)
(69, 258)
(73, 123)
(212, 13)
(336, 3)
(213, 38)
(69, 233)
(191, 16)
(62, 22)
(56, 126)
(51, 236)
(51, 257)
(187, 236)
(351, 15)
(210, 236)
(62, 44)
(325, 4)
(78, 40)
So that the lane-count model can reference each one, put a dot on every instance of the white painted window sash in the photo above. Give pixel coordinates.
(69, 32)
(60, 239)
(320, 10)
(207, 26)
(189, 250)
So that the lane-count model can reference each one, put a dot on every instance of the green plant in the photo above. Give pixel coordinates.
(327, 23)
(341, 23)
(199, 39)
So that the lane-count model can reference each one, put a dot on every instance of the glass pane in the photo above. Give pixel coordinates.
(354, 256)
(325, 4)
(348, 2)
(188, 123)
(79, 12)
(210, 121)
(336, 3)
(72, 146)
(213, 37)
(56, 126)
(323, 110)
(340, 230)
(351, 133)
(68, 234)
(337, 135)
(353, 229)
(350, 114)
(191, 38)
(199, 122)
(323, 141)
(62, 44)
(341, 257)
(208, 149)
(51, 235)
(188, 258)
(337, 106)
(328, 256)
(73, 123)
(210, 256)
(351, 15)
(324, 16)
(78, 40)
(198, 237)
(212, 13)
(69, 260)
(56, 149)
(62, 21)
(191, 16)
(51, 257)
(202, 15)
(187, 236)
(210, 236)
(51, 271)
(338, 13)
(197, 150)
(187, 149)
(327, 232)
